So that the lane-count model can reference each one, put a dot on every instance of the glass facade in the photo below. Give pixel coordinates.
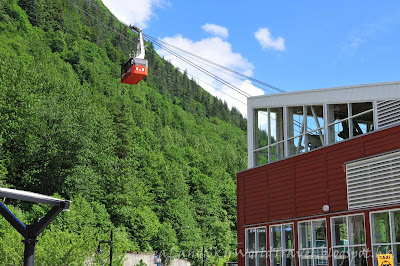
(281, 132)
(385, 230)
(348, 240)
(313, 247)
(282, 245)
(256, 246)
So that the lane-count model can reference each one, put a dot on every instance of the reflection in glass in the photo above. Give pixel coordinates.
(276, 258)
(380, 227)
(295, 123)
(261, 131)
(251, 240)
(305, 257)
(288, 236)
(262, 239)
(261, 156)
(275, 237)
(320, 256)
(396, 224)
(262, 259)
(341, 256)
(357, 256)
(320, 233)
(288, 258)
(251, 259)
(305, 235)
(356, 229)
(340, 237)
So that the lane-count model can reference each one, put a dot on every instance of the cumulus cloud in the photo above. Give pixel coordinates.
(219, 51)
(216, 30)
(264, 37)
(135, 12)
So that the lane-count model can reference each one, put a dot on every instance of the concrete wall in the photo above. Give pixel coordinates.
(134, 258)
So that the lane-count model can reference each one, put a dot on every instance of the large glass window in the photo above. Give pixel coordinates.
(313, 250)
(349, 120)
(268, 137)
(256, 247)
(385, 228)
(282, 245)
(305, 128)
(348, 240)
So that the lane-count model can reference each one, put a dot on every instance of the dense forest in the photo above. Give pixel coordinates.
(156, 162)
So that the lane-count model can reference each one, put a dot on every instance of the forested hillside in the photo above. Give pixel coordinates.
(156, 162)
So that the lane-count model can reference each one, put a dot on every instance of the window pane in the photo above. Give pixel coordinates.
(288, 258)
(363, 123)
(315, 140)
(295, 121)
(339, 232)
(380, 227)
(297, 145)
(396, 254)
(276, 258)
(261, 130)
(262, 239)
(357, 108)
(251, 240)
(305, 235)
(276, 151)
(261, 157)
(341, 257)
(396, 225)
(381, 249)
(305, 257)
(357, 256)
(288, 237)
(315, 117)
(251, 259)
(356, 230)
(320, 234)
(320, 257)
(262, 259)
(276, 123)
(275, 237)
(339, 131)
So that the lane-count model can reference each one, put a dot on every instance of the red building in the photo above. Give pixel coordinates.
(322, 186)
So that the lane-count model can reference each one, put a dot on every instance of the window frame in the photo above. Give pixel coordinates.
(281, 249)
(256, 239)
(348, 246)
(392, 235)
(312, 241)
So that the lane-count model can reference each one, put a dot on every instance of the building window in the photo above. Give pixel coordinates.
(256, 246)
(282, 245)
(313, 249)
(348, 240)
(305, 128)
(268, 135)
(349, 120)
(385, 230)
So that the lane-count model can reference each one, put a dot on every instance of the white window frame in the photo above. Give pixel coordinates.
(313, 241)
(255, 252)
(281, 249)
(348, 246)
(392, 235)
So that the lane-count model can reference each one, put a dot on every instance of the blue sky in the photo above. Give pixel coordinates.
(300, 45)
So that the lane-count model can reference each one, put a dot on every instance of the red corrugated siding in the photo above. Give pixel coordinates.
(301, 185)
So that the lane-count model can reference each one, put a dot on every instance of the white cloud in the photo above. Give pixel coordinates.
(264, 37)
(219, 51)
(135, 12)
(216, 30)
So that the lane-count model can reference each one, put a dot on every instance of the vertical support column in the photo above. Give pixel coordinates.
(29, 252)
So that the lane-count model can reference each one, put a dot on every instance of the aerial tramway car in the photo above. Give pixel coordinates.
(135, 69)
